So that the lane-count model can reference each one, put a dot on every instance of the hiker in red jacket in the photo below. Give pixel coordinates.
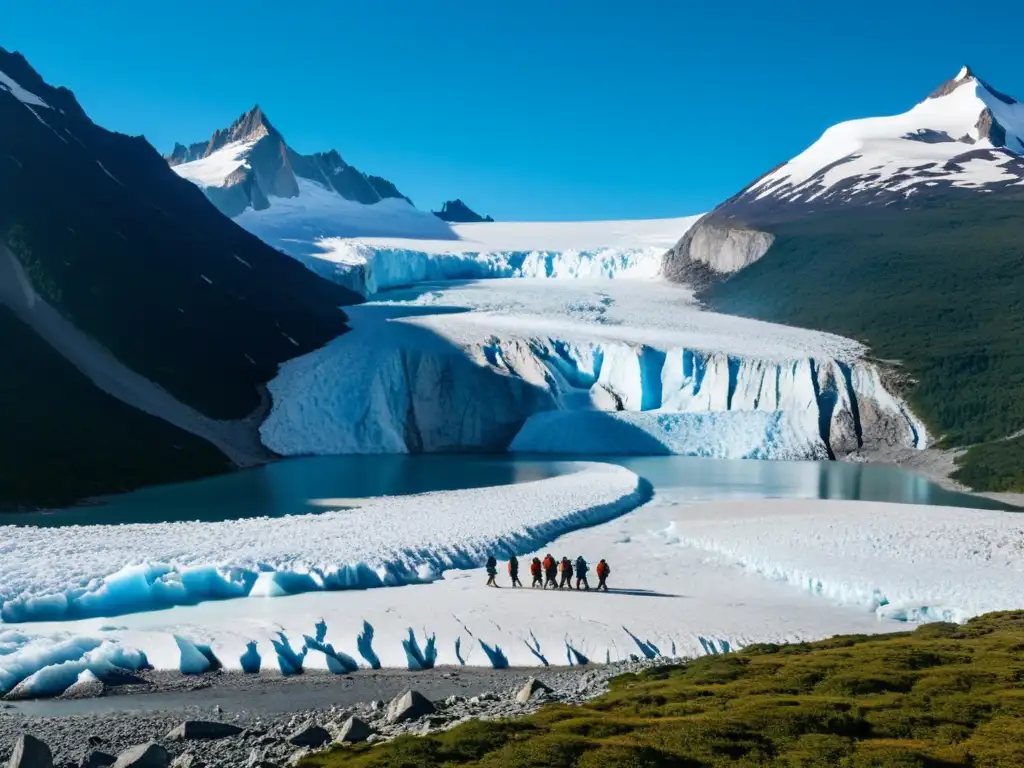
(602, 575)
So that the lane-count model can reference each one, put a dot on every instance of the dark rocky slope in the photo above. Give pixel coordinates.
(458, 212)
(139, 261)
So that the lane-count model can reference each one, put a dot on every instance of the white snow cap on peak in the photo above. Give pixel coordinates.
(965, 72)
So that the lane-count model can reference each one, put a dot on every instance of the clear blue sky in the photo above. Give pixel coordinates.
(527, 109)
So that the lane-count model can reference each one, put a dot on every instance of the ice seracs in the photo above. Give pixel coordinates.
(452, 365)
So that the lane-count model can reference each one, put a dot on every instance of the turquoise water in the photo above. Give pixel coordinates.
(309, 485)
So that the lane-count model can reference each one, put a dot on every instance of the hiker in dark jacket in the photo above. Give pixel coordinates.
(581, 573)
(536, 571)
(513, 571)
(566, 569)
(550, 571)
(492, 571)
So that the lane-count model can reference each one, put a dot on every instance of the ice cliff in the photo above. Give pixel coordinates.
(370, 270)
(479, 396)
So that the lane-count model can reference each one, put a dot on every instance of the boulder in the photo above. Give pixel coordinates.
(149, 755)
(96, 759)
(533, 687)
(30, 752)
(411, 705)
(354, 731)
(310, 735)
(203, 729)
(187, 760)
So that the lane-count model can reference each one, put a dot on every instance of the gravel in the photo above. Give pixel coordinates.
(270, 709)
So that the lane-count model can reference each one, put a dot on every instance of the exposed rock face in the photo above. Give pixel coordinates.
(150, 755)
(97, 759)
(269, 168)
(137, 260)
(202, 730)
(310, 735)
(714, 247)
(411, 705)
(354, 731)
(30, 752)
(457, 211)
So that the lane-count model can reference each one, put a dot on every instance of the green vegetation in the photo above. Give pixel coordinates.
(945, 695)
(995, 466)
(937, 289)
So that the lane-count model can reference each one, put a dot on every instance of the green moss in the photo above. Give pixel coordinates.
(945, 695)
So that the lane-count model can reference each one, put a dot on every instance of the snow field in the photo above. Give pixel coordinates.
(72, 572)
(669, 595)
(297, 224)
(910, 563)
(687, 579)
(555, 236)
(26, 97)
(214, 170)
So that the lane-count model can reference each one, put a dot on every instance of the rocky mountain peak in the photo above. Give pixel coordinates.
(252, 125)
(964, 76)
(457, 211)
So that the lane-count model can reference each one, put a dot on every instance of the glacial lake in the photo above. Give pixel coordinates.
(316, 484)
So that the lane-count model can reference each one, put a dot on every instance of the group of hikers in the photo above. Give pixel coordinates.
(549, 570)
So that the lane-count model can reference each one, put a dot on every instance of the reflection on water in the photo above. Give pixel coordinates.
(302, 486)
(296, 487)
(735, 479)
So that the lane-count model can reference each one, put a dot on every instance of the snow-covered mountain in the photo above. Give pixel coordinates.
(965, 138)
(291, 200)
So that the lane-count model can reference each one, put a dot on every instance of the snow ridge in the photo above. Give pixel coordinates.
(966, 135)
(112, 570)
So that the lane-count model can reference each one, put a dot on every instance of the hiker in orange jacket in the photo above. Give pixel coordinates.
(513, 571)
(565, 568)
(550, 571)
(602, 575)
(536, 572)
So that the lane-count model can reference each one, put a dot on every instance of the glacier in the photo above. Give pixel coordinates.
(423, 393)
(718, 575)
(370, 270)
(107, 570)
(727, 435)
